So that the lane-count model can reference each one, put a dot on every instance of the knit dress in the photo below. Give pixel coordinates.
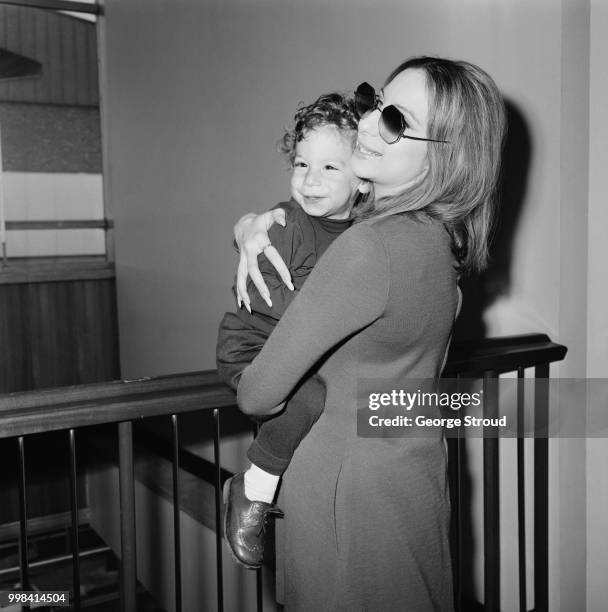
(366, 519)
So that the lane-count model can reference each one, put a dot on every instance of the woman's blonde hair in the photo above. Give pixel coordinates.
(460, 186)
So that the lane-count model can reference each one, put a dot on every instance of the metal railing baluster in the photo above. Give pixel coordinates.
(128, 561)
(455, 467)
(74, 513)
(521, 492)
(70, 408)
(541, 491)
(23, 562)
(258, 590)
(176, 514)
(258, 573)
(491, 505)
(218, 509)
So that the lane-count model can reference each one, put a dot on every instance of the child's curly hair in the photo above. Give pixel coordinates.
(329, 109)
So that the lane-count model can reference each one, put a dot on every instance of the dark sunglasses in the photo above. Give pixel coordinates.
(391, 124)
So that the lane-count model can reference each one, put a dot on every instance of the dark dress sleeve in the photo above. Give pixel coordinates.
(346, 291)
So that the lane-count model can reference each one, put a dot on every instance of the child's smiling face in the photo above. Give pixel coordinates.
(322, 181)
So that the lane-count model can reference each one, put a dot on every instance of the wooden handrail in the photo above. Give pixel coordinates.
(83, 405)
(94, 404)
(60, 224)
(123, 402)
(55, 269)
(58, 5)
(503, 354)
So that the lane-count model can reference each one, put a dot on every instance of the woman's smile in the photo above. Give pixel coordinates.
(365, 151)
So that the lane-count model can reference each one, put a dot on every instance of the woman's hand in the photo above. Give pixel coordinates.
(251, 237)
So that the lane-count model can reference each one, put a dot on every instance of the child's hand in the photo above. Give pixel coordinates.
(251, 237)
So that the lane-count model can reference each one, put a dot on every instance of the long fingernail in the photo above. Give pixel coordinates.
(267, 300)
(248, 307)
(290, 285)
(239, 302)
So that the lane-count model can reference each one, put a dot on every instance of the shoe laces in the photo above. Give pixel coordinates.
(270, 512)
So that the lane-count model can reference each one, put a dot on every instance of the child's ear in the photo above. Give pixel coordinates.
(363, 187)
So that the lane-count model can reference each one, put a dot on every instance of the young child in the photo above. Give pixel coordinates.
(323, 190)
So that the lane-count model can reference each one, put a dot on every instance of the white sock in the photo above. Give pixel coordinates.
(260, 485)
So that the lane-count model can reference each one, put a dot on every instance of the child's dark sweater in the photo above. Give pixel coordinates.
(300, 243)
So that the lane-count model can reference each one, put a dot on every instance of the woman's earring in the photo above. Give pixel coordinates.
(363, 187)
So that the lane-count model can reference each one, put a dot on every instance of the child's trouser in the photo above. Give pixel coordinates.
(279, 435)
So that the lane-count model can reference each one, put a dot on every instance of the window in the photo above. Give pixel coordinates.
(51, 187)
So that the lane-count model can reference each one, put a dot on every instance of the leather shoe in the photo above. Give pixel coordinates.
(245, 523)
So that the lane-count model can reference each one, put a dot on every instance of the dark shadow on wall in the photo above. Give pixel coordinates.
(480, 291)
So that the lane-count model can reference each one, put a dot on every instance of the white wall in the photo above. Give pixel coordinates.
(195, 97)
(597, 329)
(48, 196)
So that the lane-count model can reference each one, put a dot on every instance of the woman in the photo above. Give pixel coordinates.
(366, 519)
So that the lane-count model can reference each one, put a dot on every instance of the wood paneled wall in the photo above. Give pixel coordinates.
(65, 46)
(57, 333)
(52, 333)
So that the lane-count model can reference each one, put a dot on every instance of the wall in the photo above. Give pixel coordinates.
(50, 134)
(58, 331)
(196, 95)
(597, 331)
(65, 47)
